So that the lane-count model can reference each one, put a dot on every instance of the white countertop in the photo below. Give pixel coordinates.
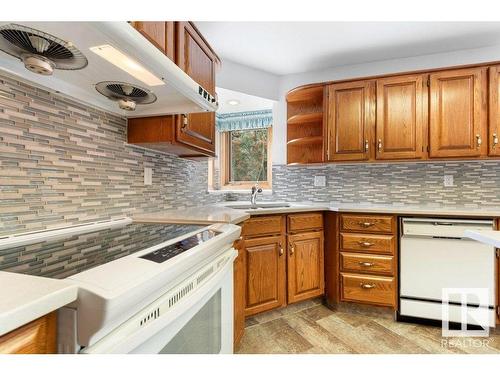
(490, 237)
(197, 215)
(223, 213)
(24, 298)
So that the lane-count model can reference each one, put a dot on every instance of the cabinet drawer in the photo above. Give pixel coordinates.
(368, 243)
(303, 222)
(379, 264)
(377, 290)
(263, 226)
(367, 223)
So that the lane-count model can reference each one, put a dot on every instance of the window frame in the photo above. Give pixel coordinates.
(225, 165)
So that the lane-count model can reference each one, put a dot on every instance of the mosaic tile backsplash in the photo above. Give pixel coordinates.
(476, 183)
(62, 162)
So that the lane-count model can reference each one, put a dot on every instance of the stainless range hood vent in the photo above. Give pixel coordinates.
(40, 52)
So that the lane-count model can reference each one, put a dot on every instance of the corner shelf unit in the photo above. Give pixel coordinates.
(305, 124)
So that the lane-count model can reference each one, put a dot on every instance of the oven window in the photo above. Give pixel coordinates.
(202, 334)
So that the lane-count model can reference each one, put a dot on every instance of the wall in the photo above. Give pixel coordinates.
(62, 162)
(237, 77)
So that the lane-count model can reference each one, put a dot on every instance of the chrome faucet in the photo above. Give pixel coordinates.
(253, 198)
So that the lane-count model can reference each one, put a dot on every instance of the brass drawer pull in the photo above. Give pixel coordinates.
(281, 249)
(495, 140)
(367, 286)
(366, 264)
(366, 244)
(479, 142)
(366, 224)
(292, 249)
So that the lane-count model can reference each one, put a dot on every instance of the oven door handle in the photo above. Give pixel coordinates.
(121, 341)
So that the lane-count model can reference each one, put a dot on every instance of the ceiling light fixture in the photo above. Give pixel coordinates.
(233, 102)
(127, 64)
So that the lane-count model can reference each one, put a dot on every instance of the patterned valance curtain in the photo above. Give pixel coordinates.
(226, 122)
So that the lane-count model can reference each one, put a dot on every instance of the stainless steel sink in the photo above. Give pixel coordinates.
(262, 205)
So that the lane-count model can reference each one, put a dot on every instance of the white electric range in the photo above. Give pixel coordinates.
(143, 287)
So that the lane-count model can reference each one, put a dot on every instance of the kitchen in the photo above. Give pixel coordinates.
(167, 190)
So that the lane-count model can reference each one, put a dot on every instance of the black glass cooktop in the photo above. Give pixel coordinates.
(73, 254)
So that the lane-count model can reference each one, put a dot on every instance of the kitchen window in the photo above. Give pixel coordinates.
(245, 146)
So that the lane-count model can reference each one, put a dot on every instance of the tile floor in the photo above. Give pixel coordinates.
(310, 327)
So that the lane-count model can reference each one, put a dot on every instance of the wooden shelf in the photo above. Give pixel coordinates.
(305, 94)
(306, 118)
(305, 141)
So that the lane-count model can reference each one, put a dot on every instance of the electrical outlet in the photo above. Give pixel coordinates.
(320, 181)
(148, 176)
(448, 180)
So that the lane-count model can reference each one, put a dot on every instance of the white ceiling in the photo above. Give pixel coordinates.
(292, 47)
(246, 102)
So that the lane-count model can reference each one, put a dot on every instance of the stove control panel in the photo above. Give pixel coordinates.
(170, 251)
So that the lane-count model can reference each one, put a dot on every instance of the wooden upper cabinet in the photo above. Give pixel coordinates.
(197, 59)
(191, 135)
(160, 33)
(400, 117)
(350, 120)
(494, 106)
(458, 113)
(265, 273)
(305, 266)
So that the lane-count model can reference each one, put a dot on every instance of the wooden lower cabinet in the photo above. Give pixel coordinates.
(239, 292)
(282, 266)
(265, 274)
(363, 252)
(36, 337)
(376, 290)
(305, 266)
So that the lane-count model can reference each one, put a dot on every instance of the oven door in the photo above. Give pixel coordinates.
(199, 324)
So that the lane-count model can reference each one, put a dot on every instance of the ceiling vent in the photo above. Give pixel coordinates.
(126, 94)
(40, 52)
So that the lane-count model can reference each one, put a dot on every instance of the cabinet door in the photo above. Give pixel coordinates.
(239, 292)
(458, 113)
(265, 274)
(400, 117)
(196, 58)
(350, 120)
(494, 125)
(305, 266)
(36, 337)
(160, 33)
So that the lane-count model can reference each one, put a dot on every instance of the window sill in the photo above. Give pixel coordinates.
(238, 191)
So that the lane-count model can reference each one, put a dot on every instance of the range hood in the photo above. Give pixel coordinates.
(175, 91)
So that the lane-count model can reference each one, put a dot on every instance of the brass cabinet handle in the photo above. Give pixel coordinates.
(367, 286)
(367, 145)
(366, 264)
(479, 142)
(495, 140)
(366, 224)
(379, 145)
(184, 121)
(365, 244)
(292, 249)
(281, 249)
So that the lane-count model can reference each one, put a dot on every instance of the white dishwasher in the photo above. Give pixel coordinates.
(434, 254)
